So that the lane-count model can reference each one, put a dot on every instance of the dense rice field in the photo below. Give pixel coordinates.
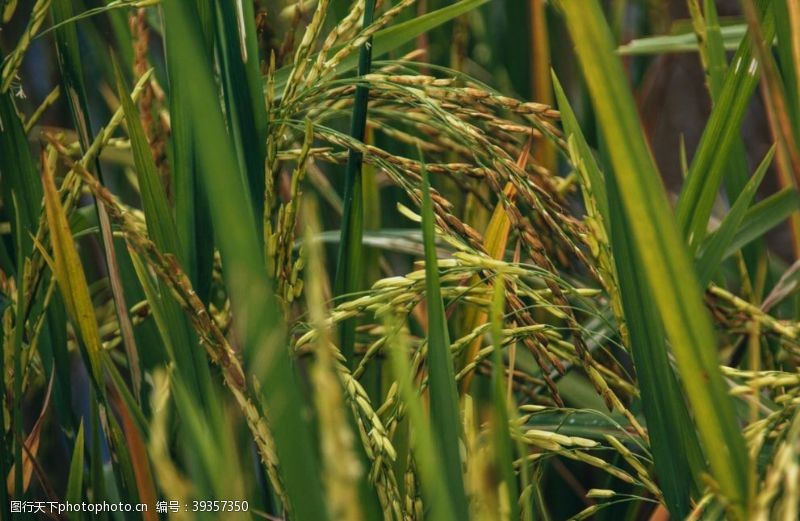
(398, 259)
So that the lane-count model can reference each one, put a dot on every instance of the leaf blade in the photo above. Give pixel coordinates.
(678, 300)
(259, 321)
(445, 416)
(669, 425)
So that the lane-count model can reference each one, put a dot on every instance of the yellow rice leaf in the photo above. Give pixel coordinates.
(495, 240)
(69, 271)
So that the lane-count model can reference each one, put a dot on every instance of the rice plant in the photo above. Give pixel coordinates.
(323, 259)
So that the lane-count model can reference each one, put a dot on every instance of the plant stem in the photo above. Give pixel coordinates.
(349, 262)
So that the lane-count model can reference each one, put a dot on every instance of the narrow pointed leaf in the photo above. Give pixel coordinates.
(258, 319)
(503, 451)
(713, 251)
(732, 36)
(720, 135)
(427, 454)
(71, 69)
(445, 416)
(190, 358)
(763, 217)
(243, 91)
(70, 276)
(349, 264)
(75, 479)
(669, 425)
(667, 267)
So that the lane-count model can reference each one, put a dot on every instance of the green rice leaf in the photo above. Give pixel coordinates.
(721, 133)
(763, 217)
(666, 264)
(192, 220)
(503, 449)
(259, 322)
(190, 360)
(714, 249)
(20, 175)
(669, 425)
(716, 62)
(427, 454)
(445, 416)
(349, 265)
(732, 36)
(243, 91)
(75, 479)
